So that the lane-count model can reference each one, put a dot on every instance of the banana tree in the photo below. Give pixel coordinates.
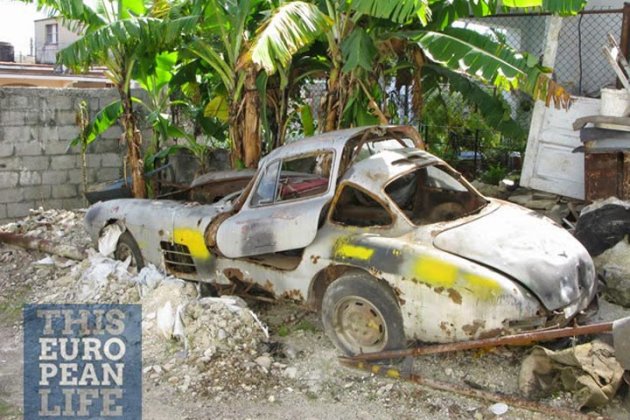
(123, 36)
(223, 44)
(429, 29)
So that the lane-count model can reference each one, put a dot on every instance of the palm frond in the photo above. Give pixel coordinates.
(493, 108)
(399, 11)
(75, 13)
(143, 36)
(559, 7)
(291, 27)
(479, 56)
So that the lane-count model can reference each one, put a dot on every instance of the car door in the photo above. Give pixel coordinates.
(283, 210)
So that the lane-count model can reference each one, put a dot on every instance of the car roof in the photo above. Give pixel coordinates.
(336, 140)
(375, 171)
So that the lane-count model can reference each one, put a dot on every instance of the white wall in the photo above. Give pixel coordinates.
(46, 53)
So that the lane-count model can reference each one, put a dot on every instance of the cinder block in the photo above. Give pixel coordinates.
(8, 179)
(108, 174)
(106, 146)
(11, 163)
(40, 192)
(73, 203)
(60, 147)
(18, 134)
(19, 209)
(30, 178)
(111, 160)
(64, 191)
(3, 212)
(66, 117)
(18, 102)
(53, 204)
(12, 118)
(68, 132)
(63, 162)
(31, 148)
(39, 163)
(10, 195)
(48, 134)
(76, 175)
(94, 160)
(6, 150)
(114, 133)
(59, 102)
(54, 177)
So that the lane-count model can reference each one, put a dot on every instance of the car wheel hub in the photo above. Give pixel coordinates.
(360, 325)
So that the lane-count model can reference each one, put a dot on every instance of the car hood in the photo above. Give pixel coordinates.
(528, 247)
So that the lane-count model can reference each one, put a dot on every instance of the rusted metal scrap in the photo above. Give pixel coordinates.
(43, 245)
(466, 391)
(520, 339)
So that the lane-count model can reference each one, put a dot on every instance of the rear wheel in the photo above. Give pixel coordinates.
(361, 315)
(127, 247)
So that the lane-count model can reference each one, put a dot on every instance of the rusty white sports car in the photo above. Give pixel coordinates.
(386, 240)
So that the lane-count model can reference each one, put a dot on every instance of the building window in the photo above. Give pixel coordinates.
(51, 33)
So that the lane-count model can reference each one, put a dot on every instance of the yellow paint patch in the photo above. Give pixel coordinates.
(355, 252)
(483, 287)
(435, 272)
(193, 239)
(442, 275)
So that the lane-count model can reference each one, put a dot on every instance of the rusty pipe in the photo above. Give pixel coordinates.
(520, 339)
(43, 245)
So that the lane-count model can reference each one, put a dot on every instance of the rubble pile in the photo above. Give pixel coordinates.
(54, 225)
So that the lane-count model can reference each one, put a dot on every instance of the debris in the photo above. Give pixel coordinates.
(498, 409)
(603, 224)
(614, 269)
(43, 245)
(465, 390)
(109, 239)
(590, 371)
(264, 362)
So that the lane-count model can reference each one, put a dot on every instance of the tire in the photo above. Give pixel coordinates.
(127, 246)
(351, 308)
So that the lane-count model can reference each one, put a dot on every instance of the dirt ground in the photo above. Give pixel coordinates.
(239, 374)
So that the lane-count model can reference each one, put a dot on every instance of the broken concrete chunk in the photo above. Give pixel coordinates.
(614, 269)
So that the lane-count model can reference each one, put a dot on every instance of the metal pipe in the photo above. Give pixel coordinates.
(520, 339)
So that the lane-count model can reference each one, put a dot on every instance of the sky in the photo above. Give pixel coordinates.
(16, 24)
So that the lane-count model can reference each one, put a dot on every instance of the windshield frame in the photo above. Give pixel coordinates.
(484, 201)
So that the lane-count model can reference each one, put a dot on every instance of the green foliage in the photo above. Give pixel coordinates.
(478, 55)
(291, 27)
(358, 50)
(494, 174)
(103, 120)
(394, 10)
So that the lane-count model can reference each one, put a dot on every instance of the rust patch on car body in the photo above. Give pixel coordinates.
(293, 294)
(315, 258)
(455, 296)
(471, 329)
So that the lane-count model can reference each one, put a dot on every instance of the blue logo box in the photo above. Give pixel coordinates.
(82, 361)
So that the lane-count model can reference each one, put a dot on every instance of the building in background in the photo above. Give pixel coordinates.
(50, 37)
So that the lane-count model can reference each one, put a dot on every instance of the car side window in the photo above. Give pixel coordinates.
(304, 176)
(359, 208)
(266, 189)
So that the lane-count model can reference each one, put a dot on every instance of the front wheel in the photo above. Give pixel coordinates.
(361, 315)
(127, 247)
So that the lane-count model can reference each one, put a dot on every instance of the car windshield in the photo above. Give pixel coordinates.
(433, 194)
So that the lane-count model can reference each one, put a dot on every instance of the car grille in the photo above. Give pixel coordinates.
(177, 258)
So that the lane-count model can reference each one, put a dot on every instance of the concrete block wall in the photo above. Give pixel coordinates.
(37, 167)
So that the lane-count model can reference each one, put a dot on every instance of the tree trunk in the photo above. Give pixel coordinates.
(234, 133)
(134, 144)
(251, 128)
(332, 99)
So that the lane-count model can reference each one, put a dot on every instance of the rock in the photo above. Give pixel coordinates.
(264, 362)
(290, 372)
(271, 399)
(614, 267)
(498, 409)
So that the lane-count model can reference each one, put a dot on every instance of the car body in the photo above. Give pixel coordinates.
(387, 240)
